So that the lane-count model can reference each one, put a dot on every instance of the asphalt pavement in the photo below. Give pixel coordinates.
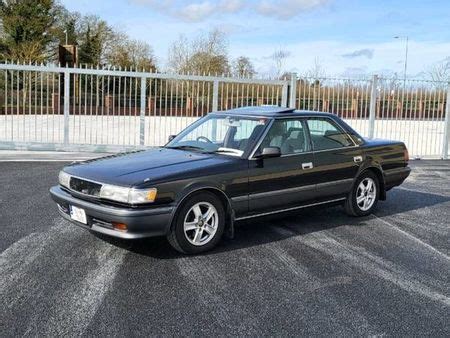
(316, 272)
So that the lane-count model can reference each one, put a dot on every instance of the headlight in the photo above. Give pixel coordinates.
(142, 196)
(64, 179)
(112, 192)
(127, 195)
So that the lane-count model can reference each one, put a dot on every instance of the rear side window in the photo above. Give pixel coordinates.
(325, 135)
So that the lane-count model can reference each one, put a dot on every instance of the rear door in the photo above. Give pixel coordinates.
(336, 157)
(282, 182)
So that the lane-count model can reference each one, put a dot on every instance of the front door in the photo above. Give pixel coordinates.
(282, 182)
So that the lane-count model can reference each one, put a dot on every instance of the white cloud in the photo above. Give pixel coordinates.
(196, 11)
(232, 6)
(286, 9)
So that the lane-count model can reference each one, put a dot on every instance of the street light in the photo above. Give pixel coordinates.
(406, 54)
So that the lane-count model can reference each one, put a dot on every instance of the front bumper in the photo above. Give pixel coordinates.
(140, 222)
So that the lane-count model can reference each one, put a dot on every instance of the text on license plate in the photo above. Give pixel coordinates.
(78, 214)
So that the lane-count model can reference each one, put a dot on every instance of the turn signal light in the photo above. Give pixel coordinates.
(151, 195)
(120, 226)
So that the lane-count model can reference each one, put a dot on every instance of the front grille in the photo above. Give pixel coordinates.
(85, 187)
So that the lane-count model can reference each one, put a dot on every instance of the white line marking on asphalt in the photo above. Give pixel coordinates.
(417, 240)
(373, 264)
(72, 270)
(80, 302)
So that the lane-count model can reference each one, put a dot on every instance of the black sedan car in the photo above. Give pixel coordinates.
(230, 166)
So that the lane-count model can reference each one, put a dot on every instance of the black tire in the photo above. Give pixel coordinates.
(352, 207)
(177, 236)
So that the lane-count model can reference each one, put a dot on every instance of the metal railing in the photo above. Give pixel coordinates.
(48, 107)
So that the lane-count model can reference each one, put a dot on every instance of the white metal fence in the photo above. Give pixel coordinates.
(46, 107)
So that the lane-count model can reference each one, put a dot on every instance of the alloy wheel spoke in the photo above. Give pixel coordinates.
(209, 229)
(362, 187)
(369, 185)
(198, 235)
(360, 199)
(190, 226)
(209, 213)
(366, 202)
(197, 212)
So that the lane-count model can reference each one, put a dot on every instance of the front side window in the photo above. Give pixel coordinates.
(289, 135)
(230, 135)
(326, 135)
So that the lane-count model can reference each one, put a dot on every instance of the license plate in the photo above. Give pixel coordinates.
(78, 214)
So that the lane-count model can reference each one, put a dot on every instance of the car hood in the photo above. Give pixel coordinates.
(131, 169)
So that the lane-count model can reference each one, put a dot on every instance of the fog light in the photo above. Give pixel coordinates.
(120, 226)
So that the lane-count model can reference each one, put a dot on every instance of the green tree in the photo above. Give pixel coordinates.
(90, 49)
(96, 40)
(27, 29)
(66, 25)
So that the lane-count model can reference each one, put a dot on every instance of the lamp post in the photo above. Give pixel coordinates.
(406, 55)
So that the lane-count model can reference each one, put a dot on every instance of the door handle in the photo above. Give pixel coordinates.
(308, 165)
(357, 159)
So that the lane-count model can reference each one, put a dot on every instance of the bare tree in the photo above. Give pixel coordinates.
(316, 71)
(179, 55)
(279, 57)
(440, 71)
(207, 54)
(132, 54)
(243, 67)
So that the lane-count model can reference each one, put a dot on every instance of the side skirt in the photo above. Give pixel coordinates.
(290, 209)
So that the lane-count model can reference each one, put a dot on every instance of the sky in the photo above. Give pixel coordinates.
(345, 37)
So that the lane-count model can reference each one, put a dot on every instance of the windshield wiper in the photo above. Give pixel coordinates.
(236, 152)
(186, 148)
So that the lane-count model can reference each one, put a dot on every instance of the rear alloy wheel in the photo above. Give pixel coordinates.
(199, 224)
(364, 196)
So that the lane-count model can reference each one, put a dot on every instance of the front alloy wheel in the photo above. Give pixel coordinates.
(199, 223)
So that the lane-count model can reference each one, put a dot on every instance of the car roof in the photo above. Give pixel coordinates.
(270, 111)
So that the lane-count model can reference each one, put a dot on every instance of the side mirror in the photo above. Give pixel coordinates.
(171, 137)
(270, 152)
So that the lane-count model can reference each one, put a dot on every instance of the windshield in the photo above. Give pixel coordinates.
(230, 135)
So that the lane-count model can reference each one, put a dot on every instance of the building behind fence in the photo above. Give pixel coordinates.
(46, 107)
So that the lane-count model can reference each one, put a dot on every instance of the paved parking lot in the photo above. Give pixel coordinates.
(316, 272)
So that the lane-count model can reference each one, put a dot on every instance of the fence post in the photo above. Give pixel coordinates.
(142, 112)
(373, 106)
(215, 98)
(293, 90)
(284, 94)
(446, 138)
(66, 106)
